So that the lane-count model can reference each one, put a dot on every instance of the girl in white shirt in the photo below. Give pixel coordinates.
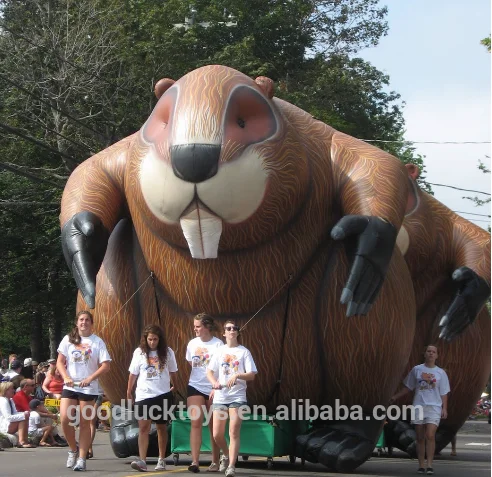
(82, 359)
(12, 421)
(152, 368)
(199, 352)
(431, 387)
(229, 370)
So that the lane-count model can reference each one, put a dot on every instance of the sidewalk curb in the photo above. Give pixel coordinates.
(482, 427)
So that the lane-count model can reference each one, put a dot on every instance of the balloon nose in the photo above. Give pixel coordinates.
(195, 162)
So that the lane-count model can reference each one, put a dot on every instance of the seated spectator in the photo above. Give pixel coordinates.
(23, 397)
(53, 383)
(11, 421)
(14, 373)
(51, 363)
(12, 357)
(27, 371)
(36, 429)
(34, 368)
(39, 378)
(104, 421)
(4, 366)
(43, 369)
(40, 375)
(15, 367)
(22, 400)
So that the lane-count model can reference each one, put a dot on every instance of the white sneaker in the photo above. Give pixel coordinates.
(139, 465)
(72, 458)
(230, 472)
(224, 463)
(161, 464)
(80, 465)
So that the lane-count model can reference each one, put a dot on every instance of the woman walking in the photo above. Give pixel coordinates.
(229, 370)
(431, 386)
(199, 352)
(152, 367)
(82, 359)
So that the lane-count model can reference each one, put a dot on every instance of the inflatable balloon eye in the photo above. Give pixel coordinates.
(249, 118)
(157, 126)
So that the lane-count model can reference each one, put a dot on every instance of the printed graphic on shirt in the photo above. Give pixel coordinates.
(230, 364)
(81, 353)
(200, 358)
(154, 367)
(427, 381)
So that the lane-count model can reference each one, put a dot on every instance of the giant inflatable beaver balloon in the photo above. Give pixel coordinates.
(449, 260)
(226, 196)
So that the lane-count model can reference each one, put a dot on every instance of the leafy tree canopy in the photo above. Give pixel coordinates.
(76, 76)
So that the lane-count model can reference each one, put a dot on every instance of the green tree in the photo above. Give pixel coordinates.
(76, 76)
(486, 42)
(476, 200)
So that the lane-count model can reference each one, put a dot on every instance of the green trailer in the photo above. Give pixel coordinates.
(381, 445)
(261, 435)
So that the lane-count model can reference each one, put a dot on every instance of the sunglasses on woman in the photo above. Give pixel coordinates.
(232, 328)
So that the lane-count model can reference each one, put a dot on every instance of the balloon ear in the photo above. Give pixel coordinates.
(413, 171)
(162, 86)
(266, 85)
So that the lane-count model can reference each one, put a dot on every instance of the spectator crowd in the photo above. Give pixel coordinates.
(24, 385)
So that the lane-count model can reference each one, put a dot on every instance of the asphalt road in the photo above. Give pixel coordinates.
(473, 460)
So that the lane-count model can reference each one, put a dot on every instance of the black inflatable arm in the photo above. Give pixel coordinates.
(84, 242)
(473, 292)
(369, 242)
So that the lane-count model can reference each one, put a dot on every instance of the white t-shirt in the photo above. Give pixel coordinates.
(225, 362)
(429, 385)
(11, 374)
(8, 414)
(153, 379)
(34, 421)
(199, 353)
(83, 360)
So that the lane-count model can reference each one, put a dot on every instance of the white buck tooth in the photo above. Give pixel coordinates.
(202, 231)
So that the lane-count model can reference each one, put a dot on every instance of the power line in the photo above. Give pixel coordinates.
(478, 220)
(13, 83)
(470, 213)
(458, 188)
(80, 68)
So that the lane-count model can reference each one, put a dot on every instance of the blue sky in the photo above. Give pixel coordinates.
(434, 58)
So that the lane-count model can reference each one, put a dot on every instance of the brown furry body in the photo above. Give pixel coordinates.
(440, 241)
(316, 176)
(280, 186)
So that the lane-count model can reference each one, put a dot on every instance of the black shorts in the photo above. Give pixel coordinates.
(194, 392)
(69, 394)
(155, 408)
